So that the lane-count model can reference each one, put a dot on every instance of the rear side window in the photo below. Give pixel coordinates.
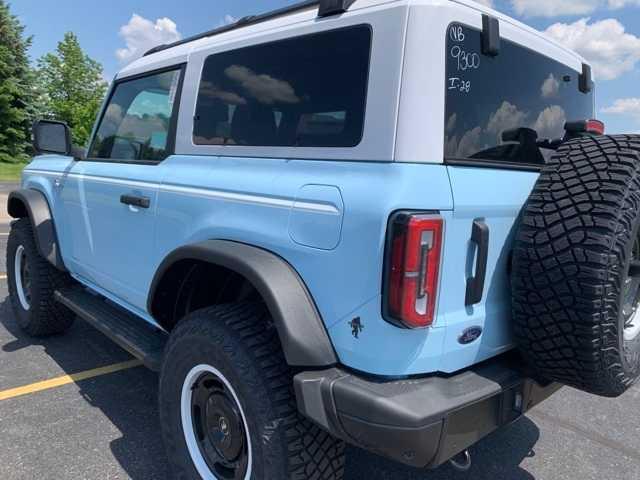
(503, 108)
(308, 91)
(137, 121)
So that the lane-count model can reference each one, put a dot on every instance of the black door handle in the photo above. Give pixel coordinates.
(475, 284)
(135, 201)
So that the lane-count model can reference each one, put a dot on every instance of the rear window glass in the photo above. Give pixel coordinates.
(308, 91)
(504, 108)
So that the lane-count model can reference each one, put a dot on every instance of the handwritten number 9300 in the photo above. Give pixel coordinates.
(466, 60)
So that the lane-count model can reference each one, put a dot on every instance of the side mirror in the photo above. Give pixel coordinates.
(51, 137)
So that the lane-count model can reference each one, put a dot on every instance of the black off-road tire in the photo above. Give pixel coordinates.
(572, 257)
(45, 316)
(240, 341)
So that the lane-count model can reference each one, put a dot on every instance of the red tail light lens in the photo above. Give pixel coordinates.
(595, 127)
(413, 265)
(591, 127)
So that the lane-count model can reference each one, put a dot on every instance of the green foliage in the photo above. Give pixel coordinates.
(16, 89)
(71, 87)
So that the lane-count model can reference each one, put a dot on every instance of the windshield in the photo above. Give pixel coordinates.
(507, 108)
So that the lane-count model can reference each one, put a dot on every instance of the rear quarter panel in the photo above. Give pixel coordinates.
(253, 200)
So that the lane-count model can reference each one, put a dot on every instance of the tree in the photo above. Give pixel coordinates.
(16, 88)
(72, 87)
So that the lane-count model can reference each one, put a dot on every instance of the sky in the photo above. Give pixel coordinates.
(606, 32)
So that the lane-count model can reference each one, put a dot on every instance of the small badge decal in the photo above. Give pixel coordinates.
(356, 327)
(470, 335)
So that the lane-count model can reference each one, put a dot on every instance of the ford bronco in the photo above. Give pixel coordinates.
(388, 223)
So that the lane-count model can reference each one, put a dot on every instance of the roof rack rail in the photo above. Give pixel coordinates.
(326, 8)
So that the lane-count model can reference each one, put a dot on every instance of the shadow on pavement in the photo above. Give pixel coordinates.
(129, 401)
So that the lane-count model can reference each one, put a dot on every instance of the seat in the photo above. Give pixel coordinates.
(254, 125)
(209, 117)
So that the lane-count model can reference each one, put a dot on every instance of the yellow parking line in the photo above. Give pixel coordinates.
(67, 379)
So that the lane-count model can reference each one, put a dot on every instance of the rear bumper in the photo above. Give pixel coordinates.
(419, 422)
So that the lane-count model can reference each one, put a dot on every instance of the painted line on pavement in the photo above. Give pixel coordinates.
(67, 379)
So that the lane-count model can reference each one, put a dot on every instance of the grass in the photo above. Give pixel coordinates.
(10, 172)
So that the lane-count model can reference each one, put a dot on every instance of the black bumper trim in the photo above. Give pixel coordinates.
(419, 422)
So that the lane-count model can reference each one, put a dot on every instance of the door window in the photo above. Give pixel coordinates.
(136, 125)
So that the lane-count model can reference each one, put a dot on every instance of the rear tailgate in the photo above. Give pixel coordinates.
(531, 97)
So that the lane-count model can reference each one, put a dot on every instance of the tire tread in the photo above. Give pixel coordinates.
(312, 452)
(46, 317)
(569, 253)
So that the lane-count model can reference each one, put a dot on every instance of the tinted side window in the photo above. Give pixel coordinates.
(308, 91)
(136, 123)
(505, 108)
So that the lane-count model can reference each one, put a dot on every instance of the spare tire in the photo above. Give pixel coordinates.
(576, 267)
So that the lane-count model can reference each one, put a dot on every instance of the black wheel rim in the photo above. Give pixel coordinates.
(219, 428)
(631, 295)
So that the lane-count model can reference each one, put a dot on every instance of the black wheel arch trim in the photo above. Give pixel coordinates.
(300, 327)
(33, 204)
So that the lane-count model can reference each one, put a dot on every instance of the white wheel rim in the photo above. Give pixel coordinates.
(17, 268)
(632, 332)
(187, 420)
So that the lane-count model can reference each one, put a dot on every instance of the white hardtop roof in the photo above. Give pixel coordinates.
(180, 53)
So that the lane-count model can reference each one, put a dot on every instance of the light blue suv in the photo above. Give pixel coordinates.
(337, 222)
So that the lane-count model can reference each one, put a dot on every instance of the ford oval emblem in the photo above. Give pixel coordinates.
(470, 335)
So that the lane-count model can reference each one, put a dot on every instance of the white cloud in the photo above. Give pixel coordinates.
(505, 118)
(611, 50)
(550, 122)
(468, 145)
(624, 106)
(141, 34)
(209, 90)
(550, 87)
(451, 123)
(229, 19)
(264, 88)
(616, 4)
(555, 8)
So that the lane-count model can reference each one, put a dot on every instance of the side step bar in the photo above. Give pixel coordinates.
(136, 336)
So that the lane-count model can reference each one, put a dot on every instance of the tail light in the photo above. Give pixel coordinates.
(595, 127)
(589, 127)
(414, 249)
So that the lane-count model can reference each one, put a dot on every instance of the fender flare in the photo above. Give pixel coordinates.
(300, 327)
(34, 205)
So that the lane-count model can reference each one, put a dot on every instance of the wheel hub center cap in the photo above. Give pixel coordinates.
(224, 425)
(215, 426)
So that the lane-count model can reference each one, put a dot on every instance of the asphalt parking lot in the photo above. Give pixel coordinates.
(106, 426)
